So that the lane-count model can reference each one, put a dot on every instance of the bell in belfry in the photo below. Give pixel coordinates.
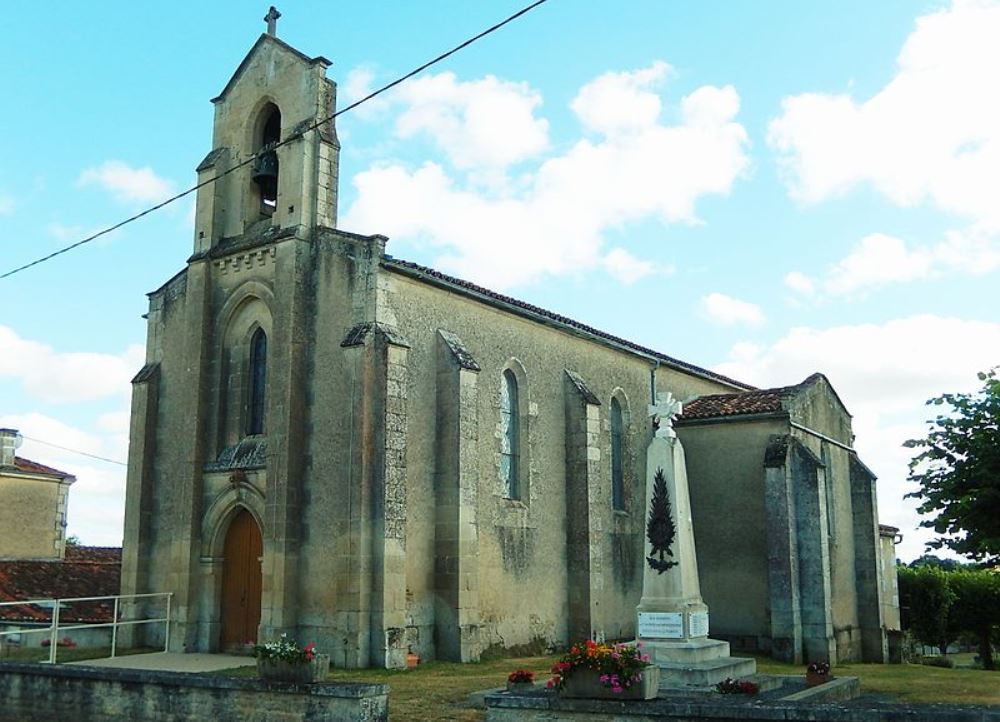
(265, 174)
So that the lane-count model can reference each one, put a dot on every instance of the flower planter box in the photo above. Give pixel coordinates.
(517, 687)
(279, 670)
(814, 679)
(585, 683)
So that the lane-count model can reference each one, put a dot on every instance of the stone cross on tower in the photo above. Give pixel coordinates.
(272, 20)
(663, 413)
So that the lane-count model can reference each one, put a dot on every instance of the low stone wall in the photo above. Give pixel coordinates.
(45, 693)
(503, 707)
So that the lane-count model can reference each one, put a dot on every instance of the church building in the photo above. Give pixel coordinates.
(373, 455)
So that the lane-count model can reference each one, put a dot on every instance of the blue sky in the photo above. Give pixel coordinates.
(765, 189)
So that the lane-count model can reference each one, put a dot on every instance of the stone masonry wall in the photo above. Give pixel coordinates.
(37, 693)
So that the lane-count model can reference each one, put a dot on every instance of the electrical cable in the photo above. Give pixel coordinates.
(75, 451)
(275, 146)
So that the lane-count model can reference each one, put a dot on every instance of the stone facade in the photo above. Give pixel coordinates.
(33, 499)
(381, 480)
(786, 524)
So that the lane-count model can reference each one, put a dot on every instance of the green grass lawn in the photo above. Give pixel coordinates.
(912, 682)
(437, 691)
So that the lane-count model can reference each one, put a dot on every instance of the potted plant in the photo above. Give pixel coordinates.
(737, 686)
(605, 671)
(520, 680)
(818, 673)
(285, 661)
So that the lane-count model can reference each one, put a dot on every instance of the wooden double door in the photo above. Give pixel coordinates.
(241, 581)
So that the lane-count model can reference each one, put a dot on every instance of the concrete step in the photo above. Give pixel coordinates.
(688, 651)
(709, 672)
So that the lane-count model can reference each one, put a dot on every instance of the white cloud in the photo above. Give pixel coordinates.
(620, 102)
(66, 377)
(884, 373)
(727, 311)
(552, 221)
(800, 283)
(879, 259)
(6, 205)
(358, 84)
(487, 123)
(126, 183)
(931, 134)
(625, 267)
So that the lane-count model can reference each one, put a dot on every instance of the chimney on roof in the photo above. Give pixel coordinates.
(10, 439)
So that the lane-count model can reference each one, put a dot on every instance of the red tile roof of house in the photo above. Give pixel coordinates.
(85, 572)
(33, 467)
(743, 403)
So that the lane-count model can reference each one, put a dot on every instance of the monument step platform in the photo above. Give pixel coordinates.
(700, 674)
(686, 651)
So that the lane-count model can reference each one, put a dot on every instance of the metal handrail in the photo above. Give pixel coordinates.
(53, 629)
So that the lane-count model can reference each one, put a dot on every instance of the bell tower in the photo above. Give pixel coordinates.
(268, 109)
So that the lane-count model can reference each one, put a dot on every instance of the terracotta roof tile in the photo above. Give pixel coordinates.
(33, 467)
(416, 270)
(743, 403)
(86, 572)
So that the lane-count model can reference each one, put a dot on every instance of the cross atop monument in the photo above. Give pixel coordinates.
(272, 20)
(663, 413)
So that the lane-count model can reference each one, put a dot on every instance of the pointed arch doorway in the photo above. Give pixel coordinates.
(241, 581)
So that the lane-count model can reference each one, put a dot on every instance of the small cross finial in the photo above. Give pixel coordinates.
(663, 413)
(272, 20)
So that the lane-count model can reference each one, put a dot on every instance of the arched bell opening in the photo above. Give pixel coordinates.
(265, 167)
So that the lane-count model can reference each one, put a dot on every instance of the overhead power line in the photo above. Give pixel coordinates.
(287, 140)
(75, 451)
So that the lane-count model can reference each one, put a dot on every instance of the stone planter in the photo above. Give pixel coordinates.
(586, 684)
(518, 687)
(814, 679)
(320, 667)
(279, 670)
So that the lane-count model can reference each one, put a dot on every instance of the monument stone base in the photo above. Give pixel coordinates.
(696, 662)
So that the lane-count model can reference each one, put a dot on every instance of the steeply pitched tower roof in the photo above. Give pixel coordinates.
(265, 38)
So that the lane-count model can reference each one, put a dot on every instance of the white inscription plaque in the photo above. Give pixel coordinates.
(661, 625)
(698, 623)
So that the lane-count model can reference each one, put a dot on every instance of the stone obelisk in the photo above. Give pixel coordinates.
(672, 618)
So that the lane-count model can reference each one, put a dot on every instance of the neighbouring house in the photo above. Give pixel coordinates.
(82, 572)
(36, 563)
(33, 501)
(355, 449)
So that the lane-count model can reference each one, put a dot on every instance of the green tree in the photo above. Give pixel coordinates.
(976, 608)
(958, 470)
(925, 599)
(932, 560)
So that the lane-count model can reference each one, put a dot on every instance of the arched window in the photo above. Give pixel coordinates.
(257, 388)
(265, 169)
(617, 473)
(510, 437)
